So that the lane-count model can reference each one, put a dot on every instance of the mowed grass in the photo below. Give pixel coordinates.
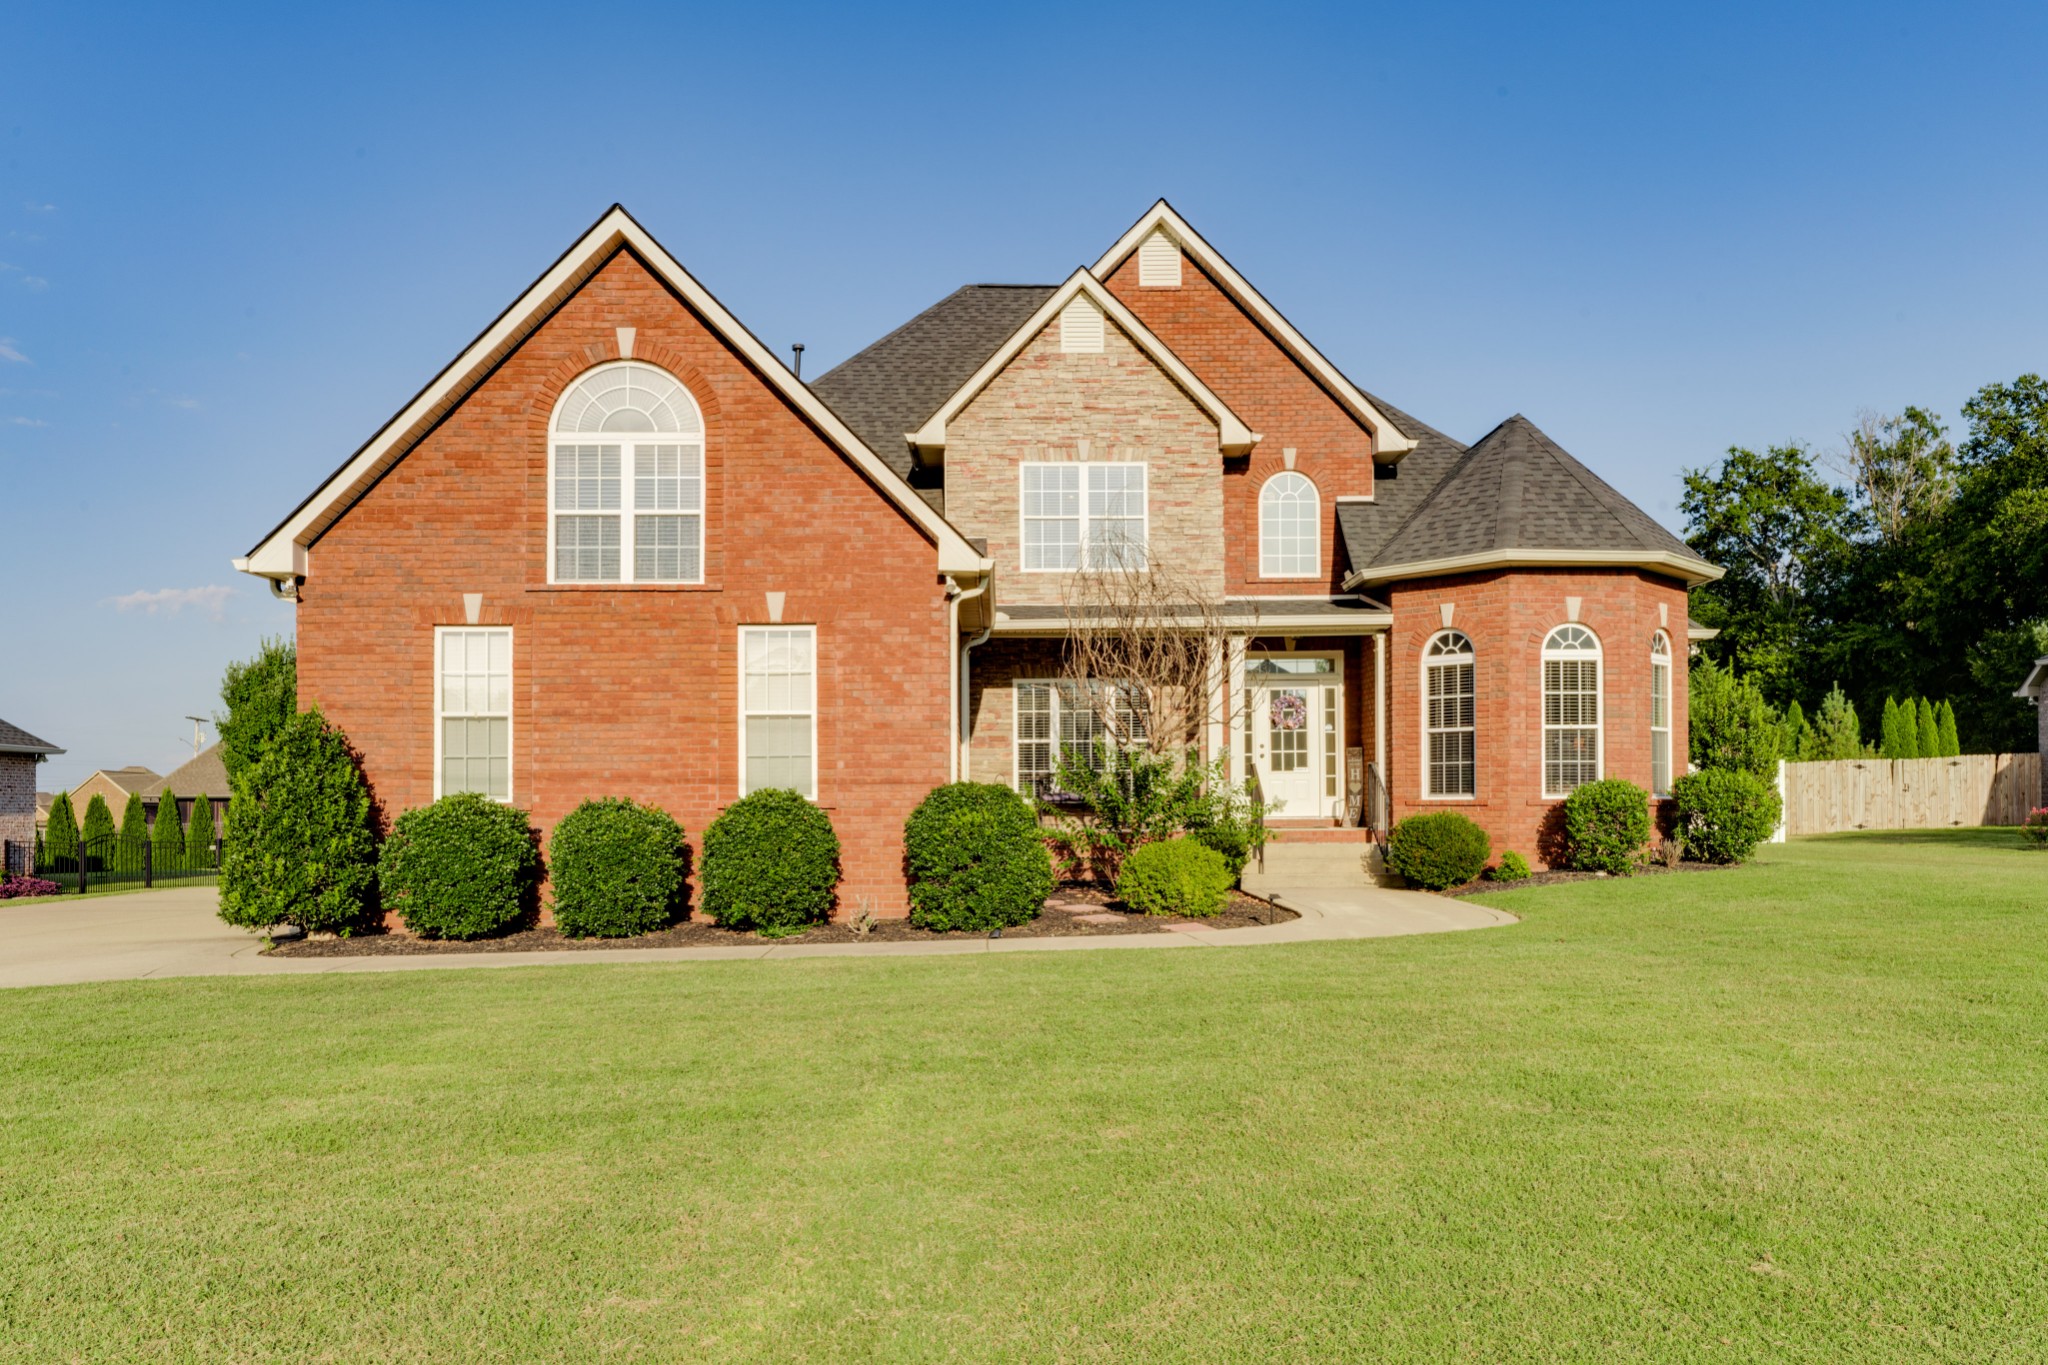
(1795, 1111)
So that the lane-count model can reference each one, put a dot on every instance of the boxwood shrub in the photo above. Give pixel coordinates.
(1175, 877)
(1606, 824)
(617, 868)
(1512, 867)
(1722, 814)
(771, 862)
(463, 867)
(976, 858)
(1440, 849)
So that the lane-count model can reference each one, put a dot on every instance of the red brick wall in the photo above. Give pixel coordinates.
(633, 691)
(1508, 614)
(1263, 385)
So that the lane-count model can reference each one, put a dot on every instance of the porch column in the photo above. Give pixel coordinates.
(1234, 700)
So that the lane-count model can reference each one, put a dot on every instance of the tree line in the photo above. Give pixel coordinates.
(1901, 565)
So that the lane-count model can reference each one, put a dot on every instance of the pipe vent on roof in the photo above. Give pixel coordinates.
(1080, 326)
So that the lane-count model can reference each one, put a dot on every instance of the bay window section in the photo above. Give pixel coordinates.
(778, 709)
(1571, 710)
(1660, 714)
(473, 701)
(1450, 720)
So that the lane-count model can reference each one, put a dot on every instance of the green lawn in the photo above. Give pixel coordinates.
(1796, 1111)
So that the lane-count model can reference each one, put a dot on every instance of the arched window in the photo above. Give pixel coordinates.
(1290, 545)
(1448, 697)
(626, 479)
(1660, 713)
(1571, 710)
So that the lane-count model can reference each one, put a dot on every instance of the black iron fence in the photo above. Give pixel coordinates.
(113, 860)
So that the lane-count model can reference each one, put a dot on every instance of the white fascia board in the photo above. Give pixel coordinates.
(1693, 571)
(1232, 434)
(1388, 442)
(1697, 632)
(2036, 685)
(281, 554)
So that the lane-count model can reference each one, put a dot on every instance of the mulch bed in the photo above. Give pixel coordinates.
(1061, 918)
(1473, 888)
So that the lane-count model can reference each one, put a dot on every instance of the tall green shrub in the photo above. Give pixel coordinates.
(617, 868)
(1722, 816)
(199, 836)
(1836, 732)
(167, 840)
(262, 696)
(1606, 824)
(1901, 730)
(1798, 734)
(99, 821)
(461, 868)
(771, 862)
(1928, 730)
(134, 821)
(1945, 722)
(976, 858)
(61, 839)
(1730, 723)
(302, 852)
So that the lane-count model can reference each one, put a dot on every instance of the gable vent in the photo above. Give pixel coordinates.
(1159, 263)
(1080, 326)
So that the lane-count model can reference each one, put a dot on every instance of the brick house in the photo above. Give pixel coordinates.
(618, 548)
(20, 752)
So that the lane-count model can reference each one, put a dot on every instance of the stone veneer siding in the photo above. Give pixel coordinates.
(1046, 406)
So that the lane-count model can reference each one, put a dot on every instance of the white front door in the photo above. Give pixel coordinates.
(1293, 724)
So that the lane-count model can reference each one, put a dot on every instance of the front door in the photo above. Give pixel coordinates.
(1293, 725)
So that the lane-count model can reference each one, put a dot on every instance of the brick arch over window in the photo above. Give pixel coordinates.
(625, 478)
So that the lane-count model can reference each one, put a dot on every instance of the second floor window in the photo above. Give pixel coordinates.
(626, 483)
(1083, 516)
(1289, 546)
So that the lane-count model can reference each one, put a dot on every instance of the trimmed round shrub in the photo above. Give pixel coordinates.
(1175, 877)
(1724, 813)
(303, 852)
(1606, 824)
(976, 858)
(616, 869)
(1438, 850)
(463, 867)
(771, 862)
(1512, 867)
(1232, 839)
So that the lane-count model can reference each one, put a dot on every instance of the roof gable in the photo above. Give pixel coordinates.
(282, 555)
(204, 774)
(1391, 441)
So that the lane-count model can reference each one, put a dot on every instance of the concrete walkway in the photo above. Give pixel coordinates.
(54, 941)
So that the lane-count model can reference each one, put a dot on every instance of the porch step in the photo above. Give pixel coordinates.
(1315, 864)
(1318, 834)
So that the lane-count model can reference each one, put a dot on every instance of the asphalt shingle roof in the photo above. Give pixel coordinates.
(205, 774)
(15, 740)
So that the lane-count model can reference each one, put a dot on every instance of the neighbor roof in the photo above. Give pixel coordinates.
(1518, 498)
(125, 780)
(205, 774)
(15, 740)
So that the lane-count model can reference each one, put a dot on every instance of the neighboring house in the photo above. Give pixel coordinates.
(205, 775)
(618, 548)
(2035, 690)
(113, 786)
(20, 752)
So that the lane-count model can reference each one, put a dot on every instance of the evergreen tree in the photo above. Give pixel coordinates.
(1945, 720)
(63, 838)
(261, 695)
(99, 821)
(1888, 730)
(1836, 732)
(199, 837)
(42, 855)
(134, 821)
(304, 852)
(1798, 734)
(167, 840)
(1928, 730)
(1730, 725)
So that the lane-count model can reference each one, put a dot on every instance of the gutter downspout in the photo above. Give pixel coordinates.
(959, 724)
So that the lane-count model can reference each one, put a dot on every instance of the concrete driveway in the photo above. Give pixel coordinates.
(53, 941)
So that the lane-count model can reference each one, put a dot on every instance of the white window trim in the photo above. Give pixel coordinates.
(511, 710)
(816, 671)
(1599, 727)
(1470, 659)
(1660, 736)
(1315, 526)
(1082, 565)
(627, 442)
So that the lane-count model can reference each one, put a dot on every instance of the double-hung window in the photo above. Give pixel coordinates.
(1660, 714)
(626, 485)
(1571, 710)
(1056, 718)
(778, 709)
(473, 698)
(1449, 725)
(1084, 516)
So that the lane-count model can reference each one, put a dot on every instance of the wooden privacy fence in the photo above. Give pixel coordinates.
(1910, 793)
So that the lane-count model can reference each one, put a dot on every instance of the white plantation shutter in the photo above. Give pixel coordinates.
(1159, 263)
(1080, 326)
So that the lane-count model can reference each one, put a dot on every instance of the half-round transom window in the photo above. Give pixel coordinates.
(628, 397)
(626, 479)
(1289, 543)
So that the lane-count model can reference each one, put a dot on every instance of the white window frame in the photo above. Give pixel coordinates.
(1448, 649)
(1082, 559)
(1660, 703)
(511, 724)
(1057, 689)
(628, 512)
(1268, 552)
(810, 632)
(1554, 652)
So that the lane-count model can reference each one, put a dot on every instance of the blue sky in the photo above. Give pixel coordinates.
(234, 241)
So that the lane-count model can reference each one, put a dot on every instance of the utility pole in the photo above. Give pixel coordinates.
(197, 721)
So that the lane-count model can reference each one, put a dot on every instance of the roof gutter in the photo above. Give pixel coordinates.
(1693, 571)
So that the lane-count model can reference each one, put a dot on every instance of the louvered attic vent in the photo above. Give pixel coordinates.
(1158, 263)
(1080, 326)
